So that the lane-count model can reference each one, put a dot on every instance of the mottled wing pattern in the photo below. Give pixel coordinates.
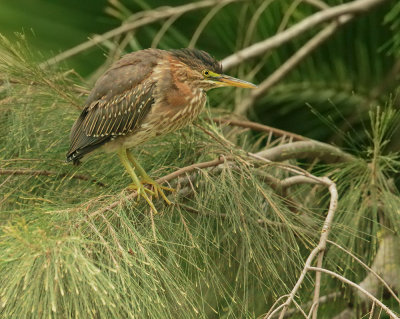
(120, 115)
(107, 118)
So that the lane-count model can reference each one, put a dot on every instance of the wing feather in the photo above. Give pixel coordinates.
(104, 120)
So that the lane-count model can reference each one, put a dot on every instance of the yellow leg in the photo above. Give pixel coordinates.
(146, 179)
(137, 185)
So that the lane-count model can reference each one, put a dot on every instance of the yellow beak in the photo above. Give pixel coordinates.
(227, 80)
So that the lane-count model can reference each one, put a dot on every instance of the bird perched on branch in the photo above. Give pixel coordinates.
(145, 94)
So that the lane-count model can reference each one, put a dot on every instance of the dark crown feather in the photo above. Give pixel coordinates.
(198, 59)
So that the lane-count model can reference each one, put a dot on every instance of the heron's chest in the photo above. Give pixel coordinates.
(177, 112)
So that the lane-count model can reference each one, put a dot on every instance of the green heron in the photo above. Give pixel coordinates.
(145, 94)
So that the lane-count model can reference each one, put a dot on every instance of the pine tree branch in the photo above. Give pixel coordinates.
(322, 300)
(291, 63)
(161, 180)
(354, 7)
(368, 268)
(145, 18)
(307, 150)
(301, 149)
(260, 127)
(317, 251)
(27, 171)
(358, 287)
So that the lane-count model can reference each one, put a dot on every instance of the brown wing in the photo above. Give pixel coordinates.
(104, 120)
(118, 103)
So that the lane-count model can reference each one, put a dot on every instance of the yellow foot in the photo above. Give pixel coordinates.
(142, 191)
(158, 189)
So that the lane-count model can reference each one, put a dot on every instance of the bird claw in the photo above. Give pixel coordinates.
(158, 189)
(142, 191)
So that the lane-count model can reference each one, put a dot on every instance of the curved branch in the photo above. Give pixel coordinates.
(307, 149)
(319, 250)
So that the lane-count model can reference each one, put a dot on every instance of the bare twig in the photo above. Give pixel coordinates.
(319, 250)
(291, 63)
(295, 180)
(354, 7)
(147, 17)
(274, 304)
(358, 287)
(300, 309)
(259, 127)
(371, 315)
(322, 243)
(322, 300)
(368, 268)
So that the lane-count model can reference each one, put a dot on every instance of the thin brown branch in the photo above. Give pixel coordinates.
(368, 268)
(371, 315)
(300, 309)
(274, 304)
(32, 172)
(354, 7)
(145, 18)
(296, 180)
(322, 300)
(291, 63)
(260, 127)
(358, 287)
(319, 250)
(322, 243)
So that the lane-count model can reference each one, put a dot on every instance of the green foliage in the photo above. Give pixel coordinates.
(393, 20)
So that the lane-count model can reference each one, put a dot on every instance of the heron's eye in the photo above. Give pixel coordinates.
(206, 73)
